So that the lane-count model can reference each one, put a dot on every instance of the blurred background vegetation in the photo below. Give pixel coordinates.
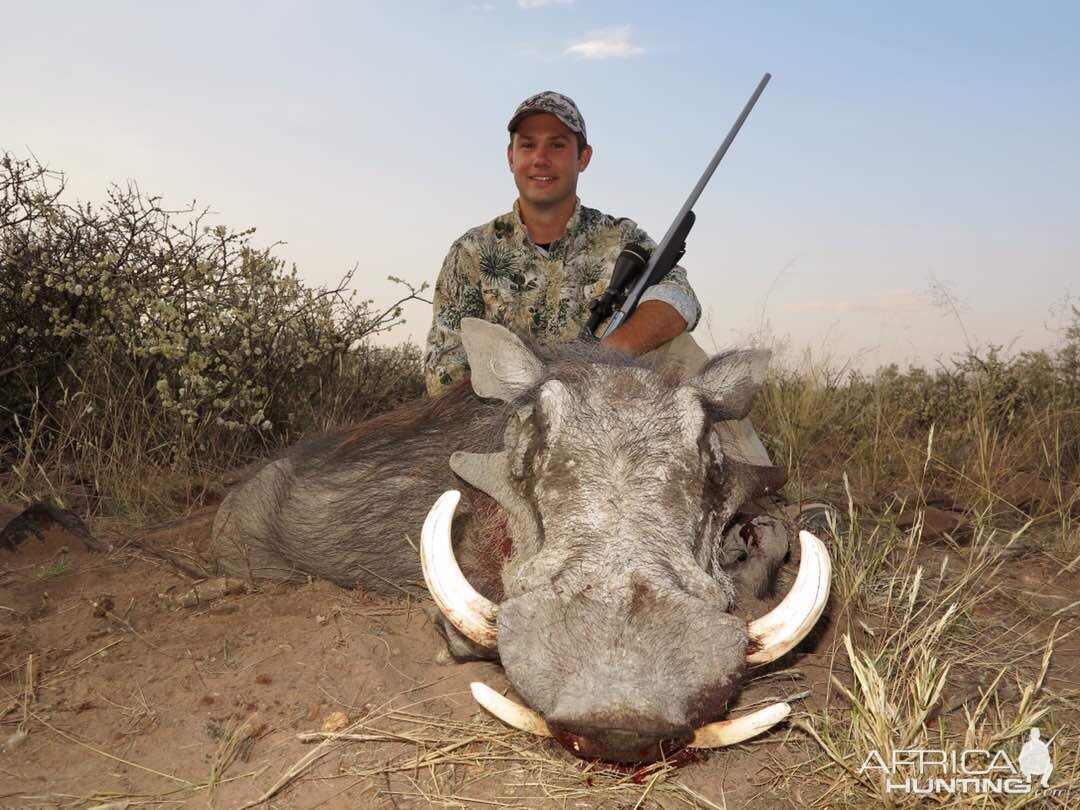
(989, 434)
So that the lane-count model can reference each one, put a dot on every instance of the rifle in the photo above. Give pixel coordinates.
(636, 267)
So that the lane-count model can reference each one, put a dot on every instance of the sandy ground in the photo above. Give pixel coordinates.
(137, 700)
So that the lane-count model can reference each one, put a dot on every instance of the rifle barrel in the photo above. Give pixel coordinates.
(635, 293)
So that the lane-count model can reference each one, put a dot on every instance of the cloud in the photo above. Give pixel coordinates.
(889, 302)
(540, 3)
(611, 43)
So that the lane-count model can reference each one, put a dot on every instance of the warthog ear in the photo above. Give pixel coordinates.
(499, 363)
(730, 381)
(751, 481)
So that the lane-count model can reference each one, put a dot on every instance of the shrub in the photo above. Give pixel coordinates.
(209, 343)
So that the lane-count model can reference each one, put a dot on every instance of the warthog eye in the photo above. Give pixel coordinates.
(715, 472)
(523, 438)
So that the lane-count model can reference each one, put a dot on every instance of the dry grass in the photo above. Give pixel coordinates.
(928, 652)
(95, 447)
(913, 638)
(405, 753)
(997, 437)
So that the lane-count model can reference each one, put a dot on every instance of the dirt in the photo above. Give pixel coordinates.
(136, 699)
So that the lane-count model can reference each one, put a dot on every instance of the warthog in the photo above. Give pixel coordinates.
(595, 491)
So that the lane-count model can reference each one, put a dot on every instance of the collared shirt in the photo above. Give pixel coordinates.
(496, 272)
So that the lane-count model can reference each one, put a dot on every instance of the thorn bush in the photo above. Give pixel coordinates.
(221, 348)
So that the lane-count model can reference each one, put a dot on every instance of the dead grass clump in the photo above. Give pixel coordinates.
(921, 666)
(991, 435)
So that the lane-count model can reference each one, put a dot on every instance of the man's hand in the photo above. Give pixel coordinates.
(652, 325)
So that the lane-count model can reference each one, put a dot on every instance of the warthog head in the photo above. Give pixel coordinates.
(615, 625)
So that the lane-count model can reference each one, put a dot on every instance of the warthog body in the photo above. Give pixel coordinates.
(595, 491)
(347, 506)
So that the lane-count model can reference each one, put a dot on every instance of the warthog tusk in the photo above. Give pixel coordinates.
(511, 713)
(785, 625)
(730, 732)
(459, 602)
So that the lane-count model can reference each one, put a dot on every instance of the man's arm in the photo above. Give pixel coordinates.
(666, 309)
(653, 324)
(673, 289)
(454, 298)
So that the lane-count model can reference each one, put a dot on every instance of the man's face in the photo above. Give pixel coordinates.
(544, 159)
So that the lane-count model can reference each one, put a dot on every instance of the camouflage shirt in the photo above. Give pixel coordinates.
(497, 273)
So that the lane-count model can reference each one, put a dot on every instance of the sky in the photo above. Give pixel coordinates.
(908, 185)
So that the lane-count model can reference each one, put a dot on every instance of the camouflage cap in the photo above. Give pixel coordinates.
(562, 107)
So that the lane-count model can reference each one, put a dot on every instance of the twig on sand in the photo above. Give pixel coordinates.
(28, 693)
(99, 651)
(234, 745)
(208, 590)
(142, 798)
(298, 768)
(385, 581)
(107, 755)
(1065, 609)
(127, 625)
(189, 569)
(701, 800)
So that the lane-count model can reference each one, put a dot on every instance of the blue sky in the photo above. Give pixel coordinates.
(902, 153)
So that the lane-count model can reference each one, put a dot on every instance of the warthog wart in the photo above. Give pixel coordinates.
(583, 516)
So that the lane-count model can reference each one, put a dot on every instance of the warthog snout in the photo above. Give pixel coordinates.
(643, 739)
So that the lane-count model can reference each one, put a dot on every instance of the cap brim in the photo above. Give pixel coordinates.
(517, 119)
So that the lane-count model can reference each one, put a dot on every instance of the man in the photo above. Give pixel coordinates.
(536, 268)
